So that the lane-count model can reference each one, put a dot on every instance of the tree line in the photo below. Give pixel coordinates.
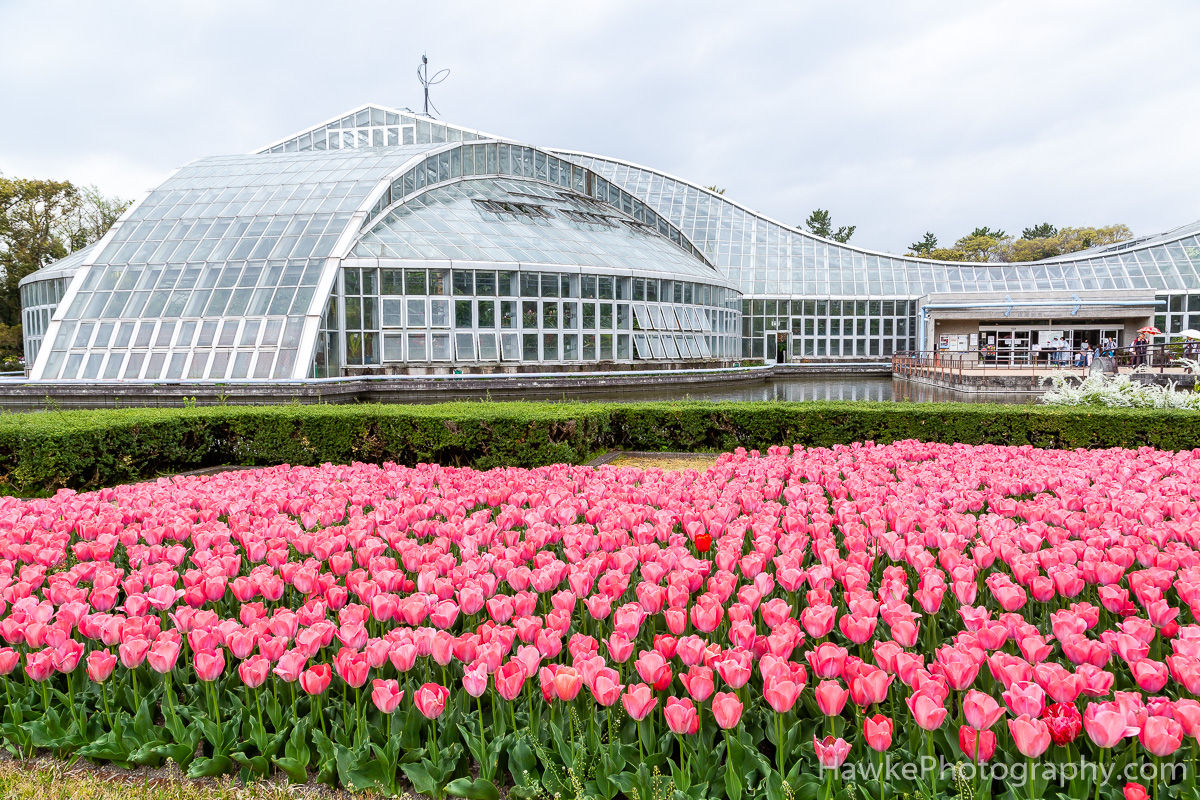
(42, 221)
(984, 244)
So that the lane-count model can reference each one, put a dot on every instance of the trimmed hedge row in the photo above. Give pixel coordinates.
(44, 451)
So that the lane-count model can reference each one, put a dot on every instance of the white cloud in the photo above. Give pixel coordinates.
(898, 117)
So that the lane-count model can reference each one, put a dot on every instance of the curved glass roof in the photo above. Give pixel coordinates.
(523, 222)
(63, 268)
(767, 258)
(214, 272)
(222, 272)
(373, 125)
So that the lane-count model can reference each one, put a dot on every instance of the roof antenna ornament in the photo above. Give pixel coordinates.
(426, 81)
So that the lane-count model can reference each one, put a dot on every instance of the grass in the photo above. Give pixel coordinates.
(667, 462)
(50, 779)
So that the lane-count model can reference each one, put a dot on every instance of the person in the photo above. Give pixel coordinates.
(1085, 356)
(1191, 349)
(1140, 346)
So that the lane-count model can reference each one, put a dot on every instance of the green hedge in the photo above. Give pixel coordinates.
(43, 451)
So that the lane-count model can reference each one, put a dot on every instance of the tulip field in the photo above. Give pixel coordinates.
(808, 623)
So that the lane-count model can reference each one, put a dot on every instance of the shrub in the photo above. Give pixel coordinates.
(44, 451)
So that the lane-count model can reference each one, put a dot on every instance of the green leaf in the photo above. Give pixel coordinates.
(259, 765)
(733, 785)
(147, 754)
(418, 775)
(522, 764)
(296, 771)
(326, 758)
(478, 789)
(181, 754)
(210, 767)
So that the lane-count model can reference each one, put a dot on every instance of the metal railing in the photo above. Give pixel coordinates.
(954, 367)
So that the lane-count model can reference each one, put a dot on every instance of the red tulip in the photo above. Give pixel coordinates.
(1064, 721)
(1135, 791)
(978, 745)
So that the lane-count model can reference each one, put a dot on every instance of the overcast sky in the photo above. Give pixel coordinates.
(898, 117)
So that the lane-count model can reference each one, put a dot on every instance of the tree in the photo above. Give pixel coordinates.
(977, 246)
(42, 221)
(32, 216)
(926, 246)
(820, 224)
(988, 232)
(716, 189)
(94, 216)
(1042, 230)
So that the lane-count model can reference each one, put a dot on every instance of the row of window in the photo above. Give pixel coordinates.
(511, 283)
(484, 346)
(171, 364)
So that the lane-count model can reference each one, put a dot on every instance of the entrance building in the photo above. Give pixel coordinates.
(1023, 329)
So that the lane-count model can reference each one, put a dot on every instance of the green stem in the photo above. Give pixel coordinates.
(779, 743)
(485, 764)
(107, 713)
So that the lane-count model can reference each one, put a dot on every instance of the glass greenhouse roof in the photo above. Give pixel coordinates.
(766, 258)
(523, 222)
(214, 272)
(63, 268)
(374, 126)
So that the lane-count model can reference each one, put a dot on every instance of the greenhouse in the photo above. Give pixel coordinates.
(383, 242)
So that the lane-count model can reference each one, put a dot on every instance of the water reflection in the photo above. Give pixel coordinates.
(782, 388)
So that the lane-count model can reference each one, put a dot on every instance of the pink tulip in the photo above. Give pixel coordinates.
(726, 709)
(831, 697)
(386, 695)
(877, 731)
(209, 666)
(1030, 735)
(831, 752)
(981, 710)
(431, 699)
(254, 671)
(510, 679)
(681, 715)
(1161, 736)
(927, 709)
(100, 665)
(315, 680)
(781, 694)
(638, 701)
